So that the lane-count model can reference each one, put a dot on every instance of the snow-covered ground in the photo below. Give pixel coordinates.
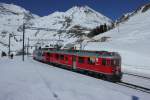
(31, 80)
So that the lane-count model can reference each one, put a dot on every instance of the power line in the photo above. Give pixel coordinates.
(56, 30)
(45, 40)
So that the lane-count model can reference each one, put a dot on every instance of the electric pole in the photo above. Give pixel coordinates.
(28, 46)
(10, 35)
(118, 28)
(9, 45)
(23, 42)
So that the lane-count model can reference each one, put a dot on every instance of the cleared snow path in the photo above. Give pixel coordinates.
(31, 80)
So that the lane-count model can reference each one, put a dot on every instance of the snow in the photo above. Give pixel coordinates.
(31, 80)
(131, 39)
(13, 8)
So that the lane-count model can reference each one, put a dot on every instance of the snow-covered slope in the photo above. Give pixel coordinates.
(12, 17)
(131, 38)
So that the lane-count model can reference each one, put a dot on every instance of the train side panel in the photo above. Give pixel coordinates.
(96, 66)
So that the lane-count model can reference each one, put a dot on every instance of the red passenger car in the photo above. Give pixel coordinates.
(106, 64)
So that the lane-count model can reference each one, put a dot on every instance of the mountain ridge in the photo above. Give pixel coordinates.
(14, 16)
(127, 16)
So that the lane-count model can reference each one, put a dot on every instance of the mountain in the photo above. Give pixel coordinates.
(76, 18)
(11, 18)
(62, 25)
(131, 38)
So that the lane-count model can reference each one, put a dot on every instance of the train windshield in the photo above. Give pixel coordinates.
(107, 54)
(115, 62)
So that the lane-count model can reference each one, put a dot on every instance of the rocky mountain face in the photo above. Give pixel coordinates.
(68, 26)
(127, 16)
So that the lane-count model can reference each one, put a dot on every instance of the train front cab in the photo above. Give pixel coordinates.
(109, 68)
(114, 66)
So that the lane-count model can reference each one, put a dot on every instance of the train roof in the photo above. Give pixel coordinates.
(104, 54)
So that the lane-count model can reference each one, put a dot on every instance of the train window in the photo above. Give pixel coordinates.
(115, 62)
(50, 54)
(57, 56)
(91, 60)
(104, 62)
(81, 59)
(109, 62)
(112, 62)
(66, 58)
(62, 57)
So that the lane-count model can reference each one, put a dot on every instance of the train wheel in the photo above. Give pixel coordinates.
(109, 78)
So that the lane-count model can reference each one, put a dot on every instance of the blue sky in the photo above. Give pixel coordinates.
(110, 8)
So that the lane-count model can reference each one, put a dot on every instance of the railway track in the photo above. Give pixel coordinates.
(137, 75)
(133, 86)
(130, 85)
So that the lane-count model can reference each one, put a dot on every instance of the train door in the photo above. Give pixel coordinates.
(74, 62)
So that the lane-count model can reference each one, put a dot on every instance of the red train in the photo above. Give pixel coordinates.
(102, 63)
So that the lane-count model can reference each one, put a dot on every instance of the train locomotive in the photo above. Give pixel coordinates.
(103, 63)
